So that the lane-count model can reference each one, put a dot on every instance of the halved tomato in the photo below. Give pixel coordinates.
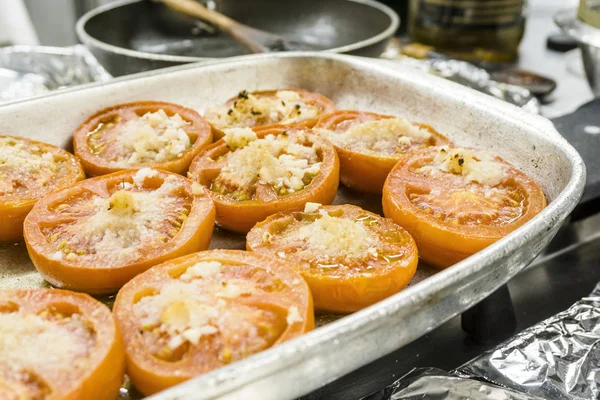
(369, 144)
(456, 201)
(97, 235)
(29, 170)
(197, 313)
(253, 174)
(351, 258)
(267, 107)
(56, 344)
(141, 134)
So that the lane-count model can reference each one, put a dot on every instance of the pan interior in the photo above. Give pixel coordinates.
(150, 27)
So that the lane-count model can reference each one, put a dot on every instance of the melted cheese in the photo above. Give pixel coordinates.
(474, 166)
(330, 237)
(20, 164)
(248, 110)
(388, 136)
(30, 343)
(154, 137)
(284, 162)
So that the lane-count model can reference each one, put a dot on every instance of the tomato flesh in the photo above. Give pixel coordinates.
(29, 170)
(351, 258)
(114, 227)
(95, 246)
(247, 183)
(57, 344)
(471, 205)
(196, 313)
(292, 107)
(142, 134)
(460, 206)
(366, 158)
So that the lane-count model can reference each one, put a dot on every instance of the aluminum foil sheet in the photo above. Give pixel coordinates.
(558, 358)
(470, 75)
(435, 384)
(27, 71)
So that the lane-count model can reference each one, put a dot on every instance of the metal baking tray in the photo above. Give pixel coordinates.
(338, 345)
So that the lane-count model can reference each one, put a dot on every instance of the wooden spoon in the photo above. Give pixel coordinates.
(255, 40)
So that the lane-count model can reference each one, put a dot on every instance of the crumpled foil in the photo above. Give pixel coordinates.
(27, 71)
(470, 75)
(558, 358)
(436, 384)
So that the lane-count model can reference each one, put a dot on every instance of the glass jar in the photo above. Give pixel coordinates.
(490, 30)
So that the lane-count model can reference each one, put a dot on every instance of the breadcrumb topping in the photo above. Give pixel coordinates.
(249, 110)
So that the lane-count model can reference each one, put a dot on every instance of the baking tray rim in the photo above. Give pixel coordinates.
(229, 378)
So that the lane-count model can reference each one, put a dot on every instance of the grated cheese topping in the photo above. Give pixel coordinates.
(248, 110)
(31, 344)
(153, 137)
(119, 227)
(200, 304)
(25, 168)
(311, 207)
(293, 315)
(237, 138)
(331, 237)
(387, 136)
(473, 165)
(140, 177)
(287, 163)
(476, 190)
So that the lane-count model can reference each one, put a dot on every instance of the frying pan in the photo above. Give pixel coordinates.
(130, 36)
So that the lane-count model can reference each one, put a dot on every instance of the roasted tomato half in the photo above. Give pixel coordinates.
(456, 201)
(28, 171)
(369, 145)
(251, 175)
(197, 313)
(56, 344)
(351, 258)
(98, 234)
(268, 107)
(142, 134)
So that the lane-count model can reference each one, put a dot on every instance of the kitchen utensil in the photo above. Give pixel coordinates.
(126, 37)
(588, 38)
(254, 40)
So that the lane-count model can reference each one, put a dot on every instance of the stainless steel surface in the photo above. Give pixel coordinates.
(126, 36)
(468, 117)
(558, 358)
(27, 71)
(588, 38)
